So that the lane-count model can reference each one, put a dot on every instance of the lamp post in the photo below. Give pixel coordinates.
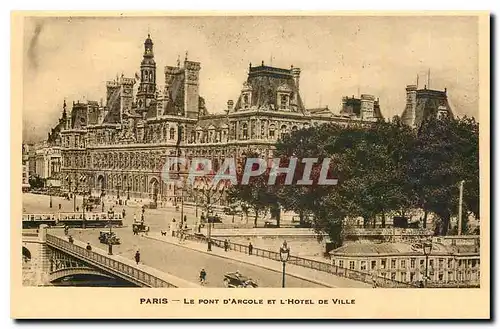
(427, 248)
(284, 255)
(209, 232)
(50, 195)
(128, 190)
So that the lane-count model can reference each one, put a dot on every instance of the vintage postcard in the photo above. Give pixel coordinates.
(336, 163)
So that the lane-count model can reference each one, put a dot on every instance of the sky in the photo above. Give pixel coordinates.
(72, 58)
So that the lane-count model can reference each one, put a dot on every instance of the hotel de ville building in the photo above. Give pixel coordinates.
(119, 147)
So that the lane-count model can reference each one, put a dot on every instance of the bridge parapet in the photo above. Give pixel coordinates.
(145, 278)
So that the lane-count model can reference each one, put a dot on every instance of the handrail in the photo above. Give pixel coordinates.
(121, 269)
(308, 263)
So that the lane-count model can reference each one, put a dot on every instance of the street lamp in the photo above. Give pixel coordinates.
(128, 190)
(427, 248)
(284, 255)
(50, 195)
(111, 215)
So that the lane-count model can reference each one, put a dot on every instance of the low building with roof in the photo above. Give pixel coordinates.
(453, 261)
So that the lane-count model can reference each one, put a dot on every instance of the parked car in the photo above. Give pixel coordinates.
(236, 280)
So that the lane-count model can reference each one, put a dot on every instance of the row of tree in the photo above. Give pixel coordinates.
(382, 169)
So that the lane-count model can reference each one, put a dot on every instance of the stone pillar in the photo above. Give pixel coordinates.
(43, 262)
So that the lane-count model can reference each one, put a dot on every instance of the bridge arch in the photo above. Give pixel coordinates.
(26, 254)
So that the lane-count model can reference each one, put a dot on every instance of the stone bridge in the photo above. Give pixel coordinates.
(50, 258)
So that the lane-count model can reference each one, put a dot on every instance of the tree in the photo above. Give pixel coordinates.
(36, 182)
(445, 152)
(256, 195)
(369, 163)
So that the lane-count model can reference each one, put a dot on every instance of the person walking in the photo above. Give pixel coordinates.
(137, 257)
(226, 245)
(203, 276)
(250, 248)
(123, 213)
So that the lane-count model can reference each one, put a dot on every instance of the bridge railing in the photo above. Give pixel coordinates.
(135, 274)
(309, 263)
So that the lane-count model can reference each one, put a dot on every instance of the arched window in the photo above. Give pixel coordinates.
(272, 129)
(283, 131)
(244, 131)
(172, 133)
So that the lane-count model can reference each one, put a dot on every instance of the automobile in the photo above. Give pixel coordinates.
(213, 219)
(139, 227)
(236, 280)
(94, 200)
(108, 237)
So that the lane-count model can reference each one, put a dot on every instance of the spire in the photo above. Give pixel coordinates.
(429, 79)
(64, 109)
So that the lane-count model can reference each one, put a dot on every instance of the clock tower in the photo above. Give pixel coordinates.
(147, 87)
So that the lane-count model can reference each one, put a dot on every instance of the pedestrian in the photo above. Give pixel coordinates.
(226, 245)
(142, 217)
(77, 209)
(137, 257)
(250, 248)
(185, 219)
(59, 206)
(89, 248)
(70, 239)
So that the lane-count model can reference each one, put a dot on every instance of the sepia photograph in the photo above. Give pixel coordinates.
(252, 151)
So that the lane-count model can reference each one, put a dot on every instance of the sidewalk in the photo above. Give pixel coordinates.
(322, 278)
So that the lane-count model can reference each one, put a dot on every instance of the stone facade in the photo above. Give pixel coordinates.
(120, 147)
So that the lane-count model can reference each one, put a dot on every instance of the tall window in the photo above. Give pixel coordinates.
(272, 131)
(244, 128)
(351, 265)
(283, 131)
(172, 133)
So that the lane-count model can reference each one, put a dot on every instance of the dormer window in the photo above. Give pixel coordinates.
(283, 97)
(246, 101)
(284, 101)
(442, 113)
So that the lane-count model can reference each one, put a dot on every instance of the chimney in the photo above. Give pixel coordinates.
(296, 76)
(230, 105)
